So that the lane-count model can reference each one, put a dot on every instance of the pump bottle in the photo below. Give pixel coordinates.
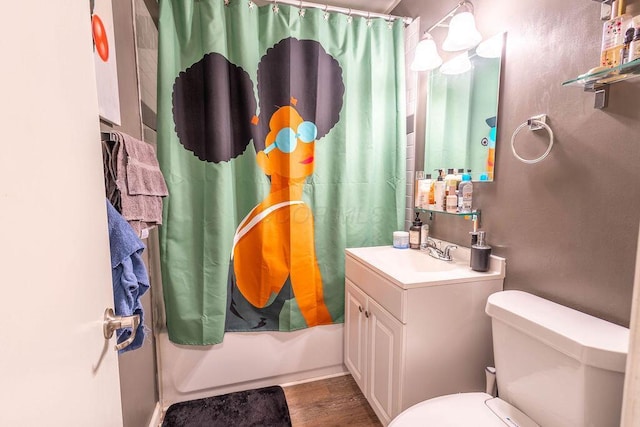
(480, 253)
(415, 232)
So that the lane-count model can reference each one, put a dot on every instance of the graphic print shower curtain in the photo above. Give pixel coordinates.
(281, 138)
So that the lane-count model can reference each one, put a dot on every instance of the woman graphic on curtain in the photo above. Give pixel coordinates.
(273, 259)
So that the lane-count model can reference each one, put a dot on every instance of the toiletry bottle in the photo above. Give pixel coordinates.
(424, 185)
(634, 47)
(424, 235)
(416, 188)
(613, 33)
(449, 182)
(414, 232)
(439, 193)
(452, 200)
(459, 176)
(480, 254)
(465, 190)
(432, 196)
(628, 38)
(450, 179)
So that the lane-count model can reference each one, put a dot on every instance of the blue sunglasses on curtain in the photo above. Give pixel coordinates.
(287, 140)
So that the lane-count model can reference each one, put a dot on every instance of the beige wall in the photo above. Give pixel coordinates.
(567, 226)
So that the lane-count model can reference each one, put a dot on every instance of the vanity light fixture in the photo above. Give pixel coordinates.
(462, 35)
(426, 56)
(491, 47)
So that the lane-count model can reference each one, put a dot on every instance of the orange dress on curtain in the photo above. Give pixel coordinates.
(276, 240)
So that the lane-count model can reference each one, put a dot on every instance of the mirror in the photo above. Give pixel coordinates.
(462, 112)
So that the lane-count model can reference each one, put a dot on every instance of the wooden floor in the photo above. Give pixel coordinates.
(331, 402)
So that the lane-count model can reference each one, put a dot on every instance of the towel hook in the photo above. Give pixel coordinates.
(535, 123)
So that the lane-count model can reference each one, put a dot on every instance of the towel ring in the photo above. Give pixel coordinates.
(534, 123)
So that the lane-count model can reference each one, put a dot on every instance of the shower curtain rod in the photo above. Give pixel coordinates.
(344, 10)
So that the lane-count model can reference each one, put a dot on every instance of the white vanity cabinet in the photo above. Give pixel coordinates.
(373, 347)
(415, 327)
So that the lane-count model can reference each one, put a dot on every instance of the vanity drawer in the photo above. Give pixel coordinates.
(385, 293)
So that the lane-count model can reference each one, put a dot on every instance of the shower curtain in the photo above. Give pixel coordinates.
(281, 135)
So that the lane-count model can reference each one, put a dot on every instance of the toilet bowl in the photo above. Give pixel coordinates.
(556, 367)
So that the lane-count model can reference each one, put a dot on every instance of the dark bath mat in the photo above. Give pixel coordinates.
(252, 408)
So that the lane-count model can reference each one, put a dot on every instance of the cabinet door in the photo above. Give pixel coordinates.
(355, 336)
(385, 341)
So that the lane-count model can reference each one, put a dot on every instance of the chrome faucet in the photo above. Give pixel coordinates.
(434, 250)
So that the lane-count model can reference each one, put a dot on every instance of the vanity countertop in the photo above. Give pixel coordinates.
(410, 268)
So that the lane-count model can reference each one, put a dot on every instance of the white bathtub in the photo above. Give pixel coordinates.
(247, 360)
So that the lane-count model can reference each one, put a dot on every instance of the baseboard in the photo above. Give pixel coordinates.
(320, 378)
(156, 417)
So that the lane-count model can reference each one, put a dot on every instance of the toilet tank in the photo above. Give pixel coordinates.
(561, 367)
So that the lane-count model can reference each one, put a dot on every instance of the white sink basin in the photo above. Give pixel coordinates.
(410, 267)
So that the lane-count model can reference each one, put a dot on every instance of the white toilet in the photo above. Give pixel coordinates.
(556, 367)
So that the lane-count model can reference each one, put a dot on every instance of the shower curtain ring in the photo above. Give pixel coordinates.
(326, 12)
(349, 17)
(301, 10)
(369, 22)
(275, 7)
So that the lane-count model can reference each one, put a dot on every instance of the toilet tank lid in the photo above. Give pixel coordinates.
(588, 339)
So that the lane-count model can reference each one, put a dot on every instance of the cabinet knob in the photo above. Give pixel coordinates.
(360, 308)
(366, 314)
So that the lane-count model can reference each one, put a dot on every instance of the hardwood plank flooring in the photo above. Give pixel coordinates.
(333, 401)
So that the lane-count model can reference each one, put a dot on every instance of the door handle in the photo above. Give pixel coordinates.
(113, 322)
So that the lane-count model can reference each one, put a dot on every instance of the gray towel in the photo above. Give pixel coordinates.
(139, 181)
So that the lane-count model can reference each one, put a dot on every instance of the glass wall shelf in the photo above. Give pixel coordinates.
(593, 81)
(474, 216)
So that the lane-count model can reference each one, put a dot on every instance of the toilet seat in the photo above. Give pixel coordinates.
(463, 410)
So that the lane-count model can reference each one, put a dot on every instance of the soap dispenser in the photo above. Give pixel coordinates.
(414, 232)
(480, 253)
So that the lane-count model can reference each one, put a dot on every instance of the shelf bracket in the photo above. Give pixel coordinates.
(601, 92)
(601, 99)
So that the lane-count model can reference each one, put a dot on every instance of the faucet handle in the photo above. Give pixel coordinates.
(447, 249)
(432, 243)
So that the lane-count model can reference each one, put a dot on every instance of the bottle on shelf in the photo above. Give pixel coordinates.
(465, 192)
(613, 33)
(424, 187)
(452, 200)
(628, 38)
(432, 196)
(634, 47)
(439, 192)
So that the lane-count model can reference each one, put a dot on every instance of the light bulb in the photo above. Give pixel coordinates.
(491, 48)
(426, 56)
(463, 33)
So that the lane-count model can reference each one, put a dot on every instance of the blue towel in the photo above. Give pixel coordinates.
(129, 274)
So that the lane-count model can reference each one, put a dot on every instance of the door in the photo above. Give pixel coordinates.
(56, 368)
(355, 335)
(385, 355)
